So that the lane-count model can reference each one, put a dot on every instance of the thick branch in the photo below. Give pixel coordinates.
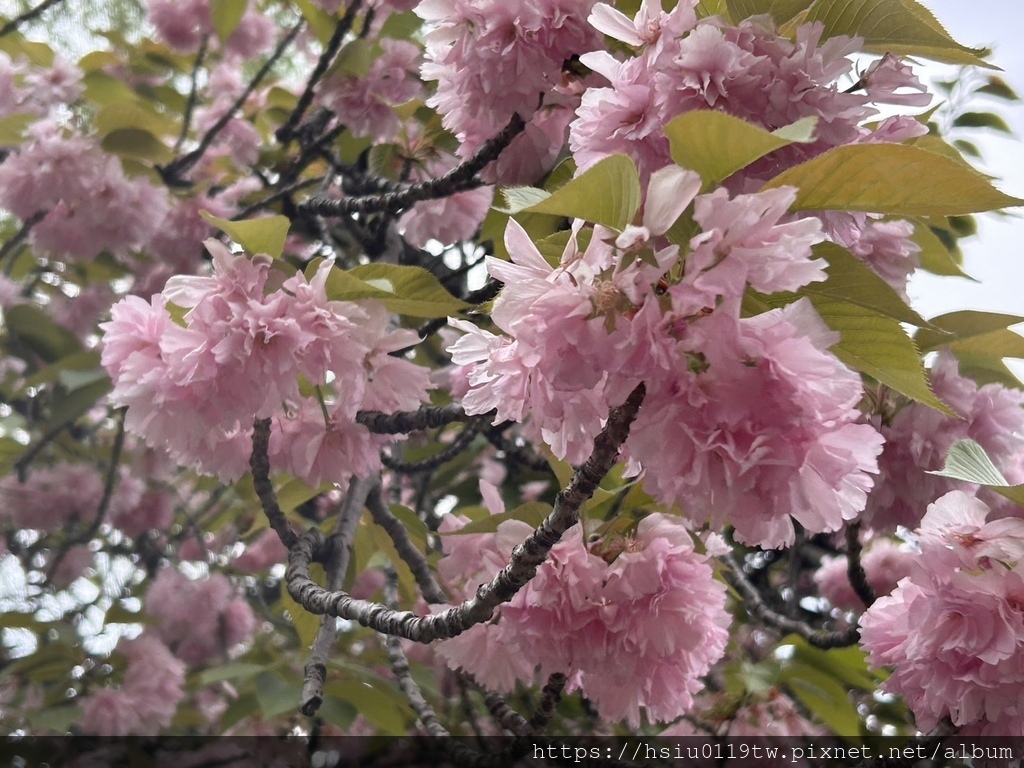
(459, 179)
(756, 606)
(259, 463)
(549, 698)
(403, 422)
(526, 558)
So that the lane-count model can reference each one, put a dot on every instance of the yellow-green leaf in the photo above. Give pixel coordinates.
(264, 235)
(607, 193)
(781, 11)
(12, 128)
(977, 332)
(225, 15)
(878, 346)
(410, 291)
(935, 256)
(716, 145)
(532, 513)
(851, 281)
(306, 624)
(902, 27)
(137, 143)
(892, 179)
(968, 461)
(134, 115)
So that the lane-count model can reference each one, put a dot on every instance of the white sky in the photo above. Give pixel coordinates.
(995, 257)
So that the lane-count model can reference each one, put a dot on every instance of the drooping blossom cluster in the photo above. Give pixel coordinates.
(919, 437)
(953, 630)
(148, 697)
(52, 497)
(749, 420)
(200, 620)
(85, 203)
(184, 25)
(195, 388)
(633, 623)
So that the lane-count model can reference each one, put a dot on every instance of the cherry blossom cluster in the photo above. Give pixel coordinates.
(746, 420)
(254, 346)
(953, 630)
(634, 622)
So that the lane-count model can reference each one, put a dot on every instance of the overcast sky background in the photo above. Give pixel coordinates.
(994, 257)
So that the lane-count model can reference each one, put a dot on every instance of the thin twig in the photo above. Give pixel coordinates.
(855, 568)
(550, 695)
(284, 133)
(755, 605)
(417, 562)
(18, 236)
(526, 558)
(517, 453)
(340, 548)
(28, 15)
(173, 171)
(193, 95)
(449, 452)
(259, 463)
(459, 179)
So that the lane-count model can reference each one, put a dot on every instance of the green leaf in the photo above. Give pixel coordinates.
(12, 128)
(57, 719)
(781, 11)
(226, 14)
(716, 145)
(410, 291)
(853, 282)
(354, 59)
(135, 115)
(44, 337)
(532, 513)
(70, 405)
(137, 144)
(295, 493)
(321, 22)
(235, 671)
(999, 88)
(982, 120)
(977, 332)
(893, 179)
(878, 346)
(935, 256)
(276, 696)
(607, 193)
(968, 461)
(383, 706)
(264, 235)
(902, 27)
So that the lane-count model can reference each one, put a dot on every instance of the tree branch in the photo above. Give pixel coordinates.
(340, 551)
(449, 452)
(173, 171)
(756, 606)
(28, 15)
(526, 558)
(459, 179)
(403, 422)
(855, 568)
(550, 695)
(259, 463)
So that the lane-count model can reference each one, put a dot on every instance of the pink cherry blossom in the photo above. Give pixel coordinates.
(953, 629)
(634, 623)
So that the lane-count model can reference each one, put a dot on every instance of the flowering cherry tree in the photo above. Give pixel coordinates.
(455, 367)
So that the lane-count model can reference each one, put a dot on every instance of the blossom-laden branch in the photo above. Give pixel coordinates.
(340, 547)
(417, 562)
(459, 179)
(172, 172)
(28, 15)
(526, 558)
(285, 132)
(259, 463)
(403, 422)
(755, 605)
